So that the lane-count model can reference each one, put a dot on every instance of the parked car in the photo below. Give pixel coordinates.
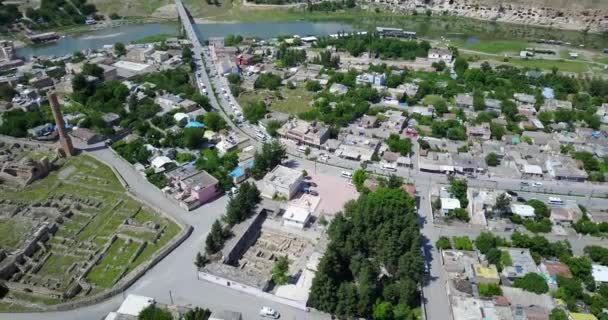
(512, 193)
(521, 199)
(537, 184)
(268, 312)
(525, 183)
(313, 192)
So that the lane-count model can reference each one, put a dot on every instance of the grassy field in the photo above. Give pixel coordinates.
(154, 38)
(113, 264)
(496, 47)
(562, 65)
(12, 233)
(85, 178)
(292, 101)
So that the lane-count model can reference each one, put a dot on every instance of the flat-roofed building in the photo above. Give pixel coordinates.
(311, 134)
(282, 181)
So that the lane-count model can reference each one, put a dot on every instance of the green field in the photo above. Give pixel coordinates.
(292, 101)
(562, 65)
(496, 47)
(12, 233)
(113, 264)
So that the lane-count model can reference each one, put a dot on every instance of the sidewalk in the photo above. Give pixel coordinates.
(251, 290)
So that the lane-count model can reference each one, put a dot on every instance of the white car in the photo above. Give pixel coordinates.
(537, 184)
(268, 312)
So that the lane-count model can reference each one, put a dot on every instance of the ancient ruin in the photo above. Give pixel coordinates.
(65, 237)
(18, 168)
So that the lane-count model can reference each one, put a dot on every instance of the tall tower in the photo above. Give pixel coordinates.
(64, 139)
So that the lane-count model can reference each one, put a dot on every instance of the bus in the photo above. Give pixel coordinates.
(556, 201)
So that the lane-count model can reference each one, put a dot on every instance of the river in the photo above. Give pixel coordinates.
(128, 33)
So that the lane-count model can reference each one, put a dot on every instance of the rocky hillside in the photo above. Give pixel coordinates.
(582, 15)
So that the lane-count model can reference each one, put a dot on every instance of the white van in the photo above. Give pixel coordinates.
(302, 148)
(388, 167)
(346, 174)
(556, 201)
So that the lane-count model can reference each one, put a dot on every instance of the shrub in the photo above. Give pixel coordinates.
(462, 243)
(487, 290)
(532, 282)
(443, 243)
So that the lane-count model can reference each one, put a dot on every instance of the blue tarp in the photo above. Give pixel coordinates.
(195, 124)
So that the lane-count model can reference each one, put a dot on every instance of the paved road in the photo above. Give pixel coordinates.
(174, 278)
(176, 273)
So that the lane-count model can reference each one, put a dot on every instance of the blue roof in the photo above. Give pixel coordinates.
(237, 172)
(548, 93)
(195, 124)
(240, 170)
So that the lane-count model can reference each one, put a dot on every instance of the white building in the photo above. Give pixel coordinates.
(376, 79)
(440, 54)
(282, 181)
(522, 210)
(132, 306)
(600, 273)
(448, 204)
(296, 217)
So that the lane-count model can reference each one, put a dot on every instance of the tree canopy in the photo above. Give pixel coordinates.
(373, 258)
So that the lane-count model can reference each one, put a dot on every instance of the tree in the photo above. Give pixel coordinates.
(272, 154)
(396, 144)
(192, 138)
(458, 214)
(255, 111)
(486, 241)
(479, 103)
(91, 69)
(359, 178)
(313, 86)
(460, 65)
(458, 188)
(214, 121)
(502, 203)
(153, 312)
(215, 238)
(272, 126)
(119, 49)
(492, 159)
(462, 243)
(540, 208)
(280, 270)
(597, 254)
(200, 260)
(383, 311)
(439, 65)
(349, 280)
(7, 92)
(307, 152)
(558, 314)
(268, 81)
(197, 314)
(240, 207)
(497, 131)
(532, 282)
(443, 243)
(487, 290)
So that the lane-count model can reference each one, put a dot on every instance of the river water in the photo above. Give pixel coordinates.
(128, 33)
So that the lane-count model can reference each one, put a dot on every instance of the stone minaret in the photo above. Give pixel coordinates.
(64, 139)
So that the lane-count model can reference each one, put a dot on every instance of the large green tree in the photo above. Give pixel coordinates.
(373, 258)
